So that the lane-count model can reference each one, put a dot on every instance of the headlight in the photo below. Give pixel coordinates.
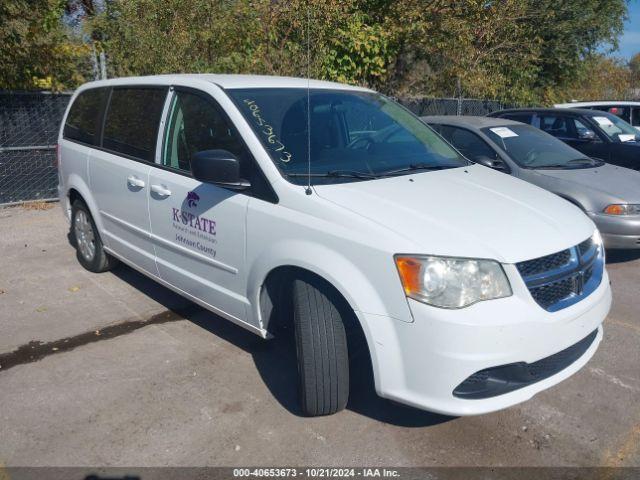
(597, 240)
(451, 282)
(622, 209)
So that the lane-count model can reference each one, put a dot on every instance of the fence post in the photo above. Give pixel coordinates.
(94, 63)
(103, 66)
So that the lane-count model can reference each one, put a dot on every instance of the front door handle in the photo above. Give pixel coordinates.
(160, 190)
(134, 181)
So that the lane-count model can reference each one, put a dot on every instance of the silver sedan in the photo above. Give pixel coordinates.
(608, 194)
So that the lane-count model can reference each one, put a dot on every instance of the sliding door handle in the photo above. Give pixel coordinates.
(160, 190)
(134, 181)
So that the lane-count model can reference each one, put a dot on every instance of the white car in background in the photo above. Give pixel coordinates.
(472, 290)
(627, 110)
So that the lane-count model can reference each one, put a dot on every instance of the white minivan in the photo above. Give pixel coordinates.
(278, 202)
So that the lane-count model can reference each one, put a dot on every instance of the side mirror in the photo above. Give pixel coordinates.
(494, 163)
(586, 134)
(219, 167)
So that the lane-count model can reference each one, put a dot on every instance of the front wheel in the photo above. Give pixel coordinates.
(321, 347)
(86, 239)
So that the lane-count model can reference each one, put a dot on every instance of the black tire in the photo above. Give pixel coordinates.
(321, 347)
(100, 261)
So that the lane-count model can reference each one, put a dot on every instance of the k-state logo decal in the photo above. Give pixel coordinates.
(192, 199)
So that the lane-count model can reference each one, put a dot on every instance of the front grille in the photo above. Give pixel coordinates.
(588, 273)
(494, 381)
(544, 264)
(585, 246)
(561, 279)
(547, 295)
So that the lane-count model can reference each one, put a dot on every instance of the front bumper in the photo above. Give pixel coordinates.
(421, 363)
(618, 232)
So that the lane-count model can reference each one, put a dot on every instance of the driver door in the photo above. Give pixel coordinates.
(199, 228)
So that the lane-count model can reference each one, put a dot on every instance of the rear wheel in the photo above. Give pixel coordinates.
(86, 239)
(321, 347)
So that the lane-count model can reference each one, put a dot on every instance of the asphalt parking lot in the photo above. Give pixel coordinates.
(129, 374)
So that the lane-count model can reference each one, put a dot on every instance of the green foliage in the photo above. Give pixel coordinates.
(634, 67)
(144, 37)
(525, 51)
(598, 77)
(35, 49)
(359, 53)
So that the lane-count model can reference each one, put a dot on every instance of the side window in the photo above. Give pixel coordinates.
(83, 122)
(131, 123)
(446, 132)
(558, 126)
(436, 127)
(470, 144)
(635, 116)
(196, 124)
(580, 129)
(518, 117)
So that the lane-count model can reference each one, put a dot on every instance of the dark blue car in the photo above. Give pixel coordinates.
(596, 134)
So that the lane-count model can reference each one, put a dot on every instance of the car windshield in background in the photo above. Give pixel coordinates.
(616, 128)
(354, 135)
(530, 147)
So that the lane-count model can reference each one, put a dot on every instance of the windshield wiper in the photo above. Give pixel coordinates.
(578, 161)
(336, 174)
(414, 167)
(552, 166)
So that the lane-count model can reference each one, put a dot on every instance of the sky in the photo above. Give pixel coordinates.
(630, 39)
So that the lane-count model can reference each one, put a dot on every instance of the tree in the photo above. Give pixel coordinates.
(35, 50)
(570, 32)
(526, 51)
(634, 67)
(598, 77)
(257, 36)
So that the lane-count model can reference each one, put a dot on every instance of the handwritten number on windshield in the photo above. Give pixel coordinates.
(267, 131)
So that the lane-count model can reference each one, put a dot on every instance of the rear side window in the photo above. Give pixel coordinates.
(468, 143)
(444, 130)
(131, 123)
(436, 127)
(83, 121)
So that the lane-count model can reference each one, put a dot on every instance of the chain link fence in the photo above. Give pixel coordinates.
(29, 124)
(452, 106)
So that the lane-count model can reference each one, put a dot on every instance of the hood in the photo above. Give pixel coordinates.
(466, 212)
(615, 182)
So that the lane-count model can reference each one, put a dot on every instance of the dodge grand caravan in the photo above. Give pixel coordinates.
(278, 202)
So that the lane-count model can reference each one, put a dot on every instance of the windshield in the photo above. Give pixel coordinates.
(530, 147)
(616, 128)
(354, 135)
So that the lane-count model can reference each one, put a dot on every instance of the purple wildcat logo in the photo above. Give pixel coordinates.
(192, 199)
